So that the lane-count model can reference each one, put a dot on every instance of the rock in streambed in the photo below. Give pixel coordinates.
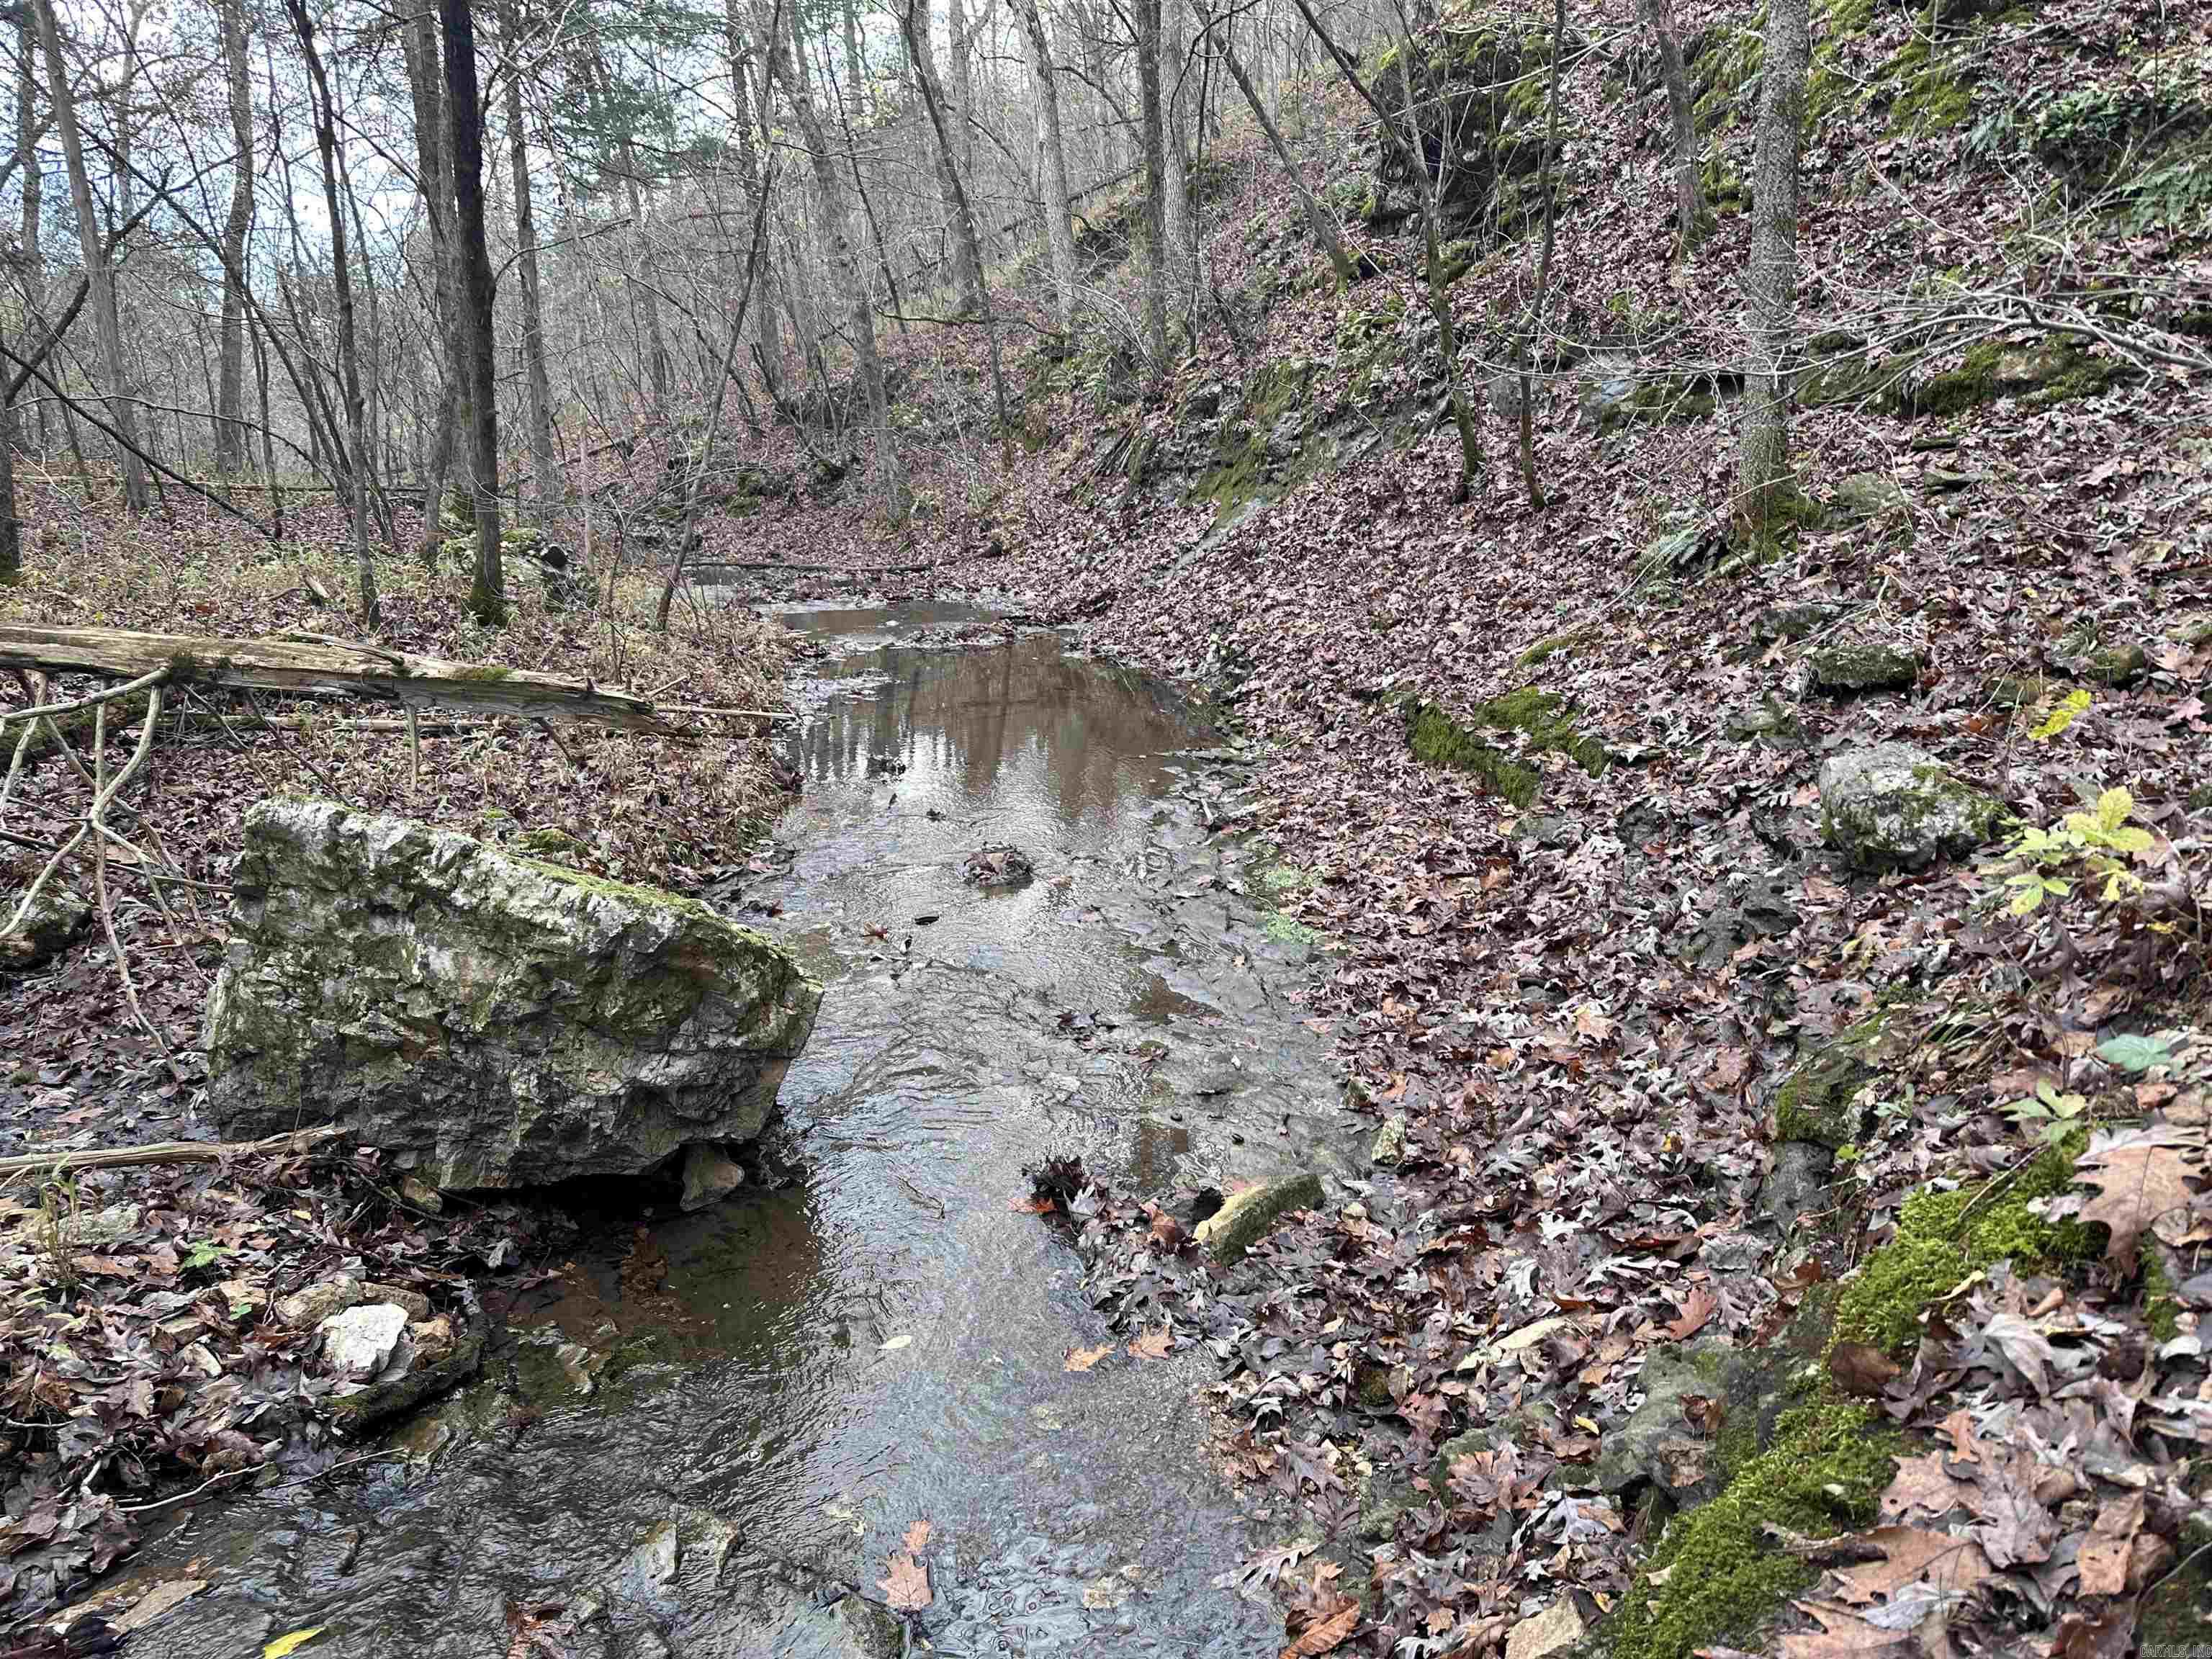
(488, 1020)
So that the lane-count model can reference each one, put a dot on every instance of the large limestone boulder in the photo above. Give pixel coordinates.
(1893, 806)
(488, 1020)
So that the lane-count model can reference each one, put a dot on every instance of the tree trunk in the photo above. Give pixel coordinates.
(1060, 229)
(100, 275)
(1770, 284)
(967, 255)
(1440, 308)
(1535, 329)
(1318, 219)
(836, 231)
(487, 585)
(230, 337)
(419, 42)
(544, 467)
(355, 470)
(768, 339)
(27, 164)
(1155, 186)
(1181, 222)
(1691, 220)
(11, 527)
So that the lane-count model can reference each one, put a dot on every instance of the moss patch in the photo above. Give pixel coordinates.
(1817, 1102)
(1723, 1578)
(1942, 1238)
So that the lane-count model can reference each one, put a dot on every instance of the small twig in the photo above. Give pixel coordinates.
(109, 696)
(165, 1152)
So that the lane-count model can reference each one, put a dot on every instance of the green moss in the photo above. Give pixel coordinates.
(658, 897)
(1287, 929)
(1723, 1579)
(1437, 739)
(2161, 1309)
(1818, 1100)
(1546, 721)
(2176, 1615)
(1944, 1238)
(1933, 100)
(489, 673)
(1550, 646)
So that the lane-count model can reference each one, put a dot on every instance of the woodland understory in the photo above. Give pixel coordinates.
(1440, 484)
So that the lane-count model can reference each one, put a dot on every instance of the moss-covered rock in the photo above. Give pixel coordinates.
(1848, 666)
(485, 1018)
(1866, 496)
(56, 917)
(1818, 1101)
(2051, 371)
(1893, 806)
(1659, 1445)
(2020, 690)
(1716, 1575)
(1246, 1218)
(1942, 1238)
(1545, 722)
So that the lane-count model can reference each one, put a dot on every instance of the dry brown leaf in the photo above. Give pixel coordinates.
(1847, 1636)
(1082, 1359)
(905, 1584)
(1152, 1344)
(2139, 1178)
(1909, 1555)
(1700, 1306)
(1860, 1369)
(916, 1536)
(2104, 1551)
(1325, 1635)
(1922, 1484)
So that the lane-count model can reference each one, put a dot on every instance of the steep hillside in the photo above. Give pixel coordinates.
(1573, 797)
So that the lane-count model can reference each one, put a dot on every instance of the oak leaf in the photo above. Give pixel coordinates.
(1325, 1635)
(1152, 1344)
(2104, 1551)
(1923, 1484)
(1910, 1554)
(1082, 1359)
(2140, 1177)
(1846, 1636)
(1700, 1306)
(1860, 1369)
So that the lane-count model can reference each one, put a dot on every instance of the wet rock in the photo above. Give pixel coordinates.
(870, 1630)
(1707, 1409)
(1893, 806)
(653, 1564)
(492, 1020)
(414, 1190)
(1795, 621)
(320, 1302)
(1733, 1253)
(998, 865)
(1797, 1185)
(417, 1304)
(359, 1342)
(431, 1356)
(1244, 1218)
(710, 1175)
(1853, 665)
(56, 917)
(1390, 1141)
(1867, 495)
(1761, 909)
(1558, 1627)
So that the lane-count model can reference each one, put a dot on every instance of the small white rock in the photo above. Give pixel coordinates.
(710, 1175)
(359, 1341)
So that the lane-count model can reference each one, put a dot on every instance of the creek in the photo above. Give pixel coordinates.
(707, 1432)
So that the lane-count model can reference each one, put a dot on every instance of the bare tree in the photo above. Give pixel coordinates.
(1546, 189)
(1155, 186)
(1060, 231)
(544, 467)
(230, 346)
(464, 116)
(967, 253)
(99, 274)
(1691, 220)
(1771, 284)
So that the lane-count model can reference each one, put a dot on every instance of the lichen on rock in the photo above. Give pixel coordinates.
(1893, 806)
(485, 1019)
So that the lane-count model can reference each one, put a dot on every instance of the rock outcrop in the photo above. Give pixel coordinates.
(56, 916)
(1893, 806)
(487, 1020)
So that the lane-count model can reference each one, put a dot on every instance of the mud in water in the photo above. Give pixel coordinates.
(708, 1435)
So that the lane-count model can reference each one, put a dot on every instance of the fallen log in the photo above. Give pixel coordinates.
(165, 1152)
(301, 664)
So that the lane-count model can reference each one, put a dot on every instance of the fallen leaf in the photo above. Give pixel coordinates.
(1326, 1635)
(905, 1584)
(1700, 1306)
(1910, 1554)
(160, 1598)
(895, 1344)
(1152, 1344)
(1860, 1369)
(2104, 1558)
(1082, 1359)
(1923, 1484)
(293, 1643)
(2139, 1178)
(1033, 1206)
(916, 1536)
(1846, 1636)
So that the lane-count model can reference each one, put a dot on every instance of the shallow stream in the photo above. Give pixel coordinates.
(703, 1437)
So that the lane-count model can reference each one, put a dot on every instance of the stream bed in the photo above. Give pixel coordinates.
(709, 1434)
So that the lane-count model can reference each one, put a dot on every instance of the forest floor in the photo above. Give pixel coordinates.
(166, 1373)
(1579, 976)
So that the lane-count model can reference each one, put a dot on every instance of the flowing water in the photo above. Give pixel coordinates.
(711, 1431)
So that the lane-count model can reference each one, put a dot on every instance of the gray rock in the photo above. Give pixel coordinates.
(360, 1341)
(1660, 1445)
(431, 1358)
(57, 915)
(1893, 806)
(1797, 1185)
(320, 1301)
(870, 1630)
(1390, 1141)
(1854, 665)
(1246, 1218)
(1867, 495)
(710, 1175)
(655, 1562)
(1733, 1253)
(491, 1020)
